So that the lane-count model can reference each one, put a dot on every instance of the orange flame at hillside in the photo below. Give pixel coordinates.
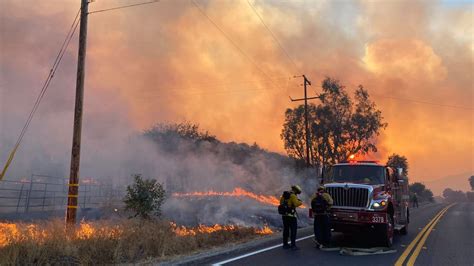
(237, 192)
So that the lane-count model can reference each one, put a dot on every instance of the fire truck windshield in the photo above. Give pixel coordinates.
(361, 174)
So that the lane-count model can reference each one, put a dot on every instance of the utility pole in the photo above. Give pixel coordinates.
(73, 191)
(306, 120)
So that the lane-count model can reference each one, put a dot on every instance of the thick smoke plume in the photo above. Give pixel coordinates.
(167, 62)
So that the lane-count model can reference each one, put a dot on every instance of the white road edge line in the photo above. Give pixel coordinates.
(256, 252)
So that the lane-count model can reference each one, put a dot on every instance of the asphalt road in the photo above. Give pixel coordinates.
(438, 234)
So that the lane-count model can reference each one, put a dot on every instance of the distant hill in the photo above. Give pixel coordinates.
(203, 162)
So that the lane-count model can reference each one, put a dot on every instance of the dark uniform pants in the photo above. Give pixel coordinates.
(415, 203)
(290, 225)
(322, 229)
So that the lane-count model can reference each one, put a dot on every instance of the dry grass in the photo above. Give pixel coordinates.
(106, 242)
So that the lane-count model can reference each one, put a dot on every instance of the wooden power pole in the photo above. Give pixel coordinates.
(73, 191)
(306, 120)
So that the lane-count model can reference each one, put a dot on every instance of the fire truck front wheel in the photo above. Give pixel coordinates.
(404, 230)
(385, 234)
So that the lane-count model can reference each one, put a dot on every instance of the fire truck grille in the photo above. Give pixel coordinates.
(349, 197)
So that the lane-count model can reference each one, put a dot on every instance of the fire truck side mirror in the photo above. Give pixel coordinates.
(320, 174)
(320, 171)
(400, 171)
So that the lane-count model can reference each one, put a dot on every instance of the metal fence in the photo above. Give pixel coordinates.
(49, 193)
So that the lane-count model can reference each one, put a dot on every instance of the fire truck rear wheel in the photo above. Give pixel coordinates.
(404, 230)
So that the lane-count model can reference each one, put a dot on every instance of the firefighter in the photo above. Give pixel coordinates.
(321, 204)
(290, 224)
(415, 200)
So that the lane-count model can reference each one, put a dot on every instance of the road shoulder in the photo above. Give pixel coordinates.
(207, 256)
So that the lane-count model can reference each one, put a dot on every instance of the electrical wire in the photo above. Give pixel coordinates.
(273, 36)
(233, 42)
(413, 100)
(43, 90)
(423, 102)
(121, 7)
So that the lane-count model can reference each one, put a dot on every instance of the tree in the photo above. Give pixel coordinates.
(398, 161)
(144, 197)
(417, 188)
(170, 136)
(423, 193)
(470, 196)
(339, 127)
(471, 182)
(454, 195)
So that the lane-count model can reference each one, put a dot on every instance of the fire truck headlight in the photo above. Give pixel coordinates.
(379, 204)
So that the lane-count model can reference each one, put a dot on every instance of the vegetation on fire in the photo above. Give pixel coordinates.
(118, 240)
(106, 242)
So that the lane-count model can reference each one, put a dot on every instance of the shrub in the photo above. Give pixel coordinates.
(144, 197)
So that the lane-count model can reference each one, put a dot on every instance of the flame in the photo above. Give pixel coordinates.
(85, 231)
(237, 192)
(265, 230)
(11, 232)
(7, 232)
(203, 229)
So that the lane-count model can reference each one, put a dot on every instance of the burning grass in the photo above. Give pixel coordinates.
(105, 242)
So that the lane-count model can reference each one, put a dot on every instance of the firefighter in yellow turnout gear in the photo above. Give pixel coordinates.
(290, 200)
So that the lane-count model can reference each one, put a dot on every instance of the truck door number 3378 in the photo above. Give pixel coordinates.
(377, 219)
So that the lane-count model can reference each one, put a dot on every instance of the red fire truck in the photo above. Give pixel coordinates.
(368, 196)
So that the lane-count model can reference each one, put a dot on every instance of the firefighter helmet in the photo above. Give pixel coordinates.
(296, 189)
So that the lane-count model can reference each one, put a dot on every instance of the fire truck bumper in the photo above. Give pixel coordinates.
(348, 220)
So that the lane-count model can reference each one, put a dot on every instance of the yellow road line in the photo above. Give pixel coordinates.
(407, 251)
(415, 254)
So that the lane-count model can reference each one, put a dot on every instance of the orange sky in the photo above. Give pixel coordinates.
(167, 62)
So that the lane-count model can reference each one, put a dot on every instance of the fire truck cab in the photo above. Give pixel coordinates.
(368, 196)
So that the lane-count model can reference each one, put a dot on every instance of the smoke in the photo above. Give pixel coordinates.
(167, 62)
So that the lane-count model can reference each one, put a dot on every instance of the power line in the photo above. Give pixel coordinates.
(231, 41)
(273, 36)
(43, 90)
(423, 102)
(412, 100)
(214, 83)
(126, 6)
